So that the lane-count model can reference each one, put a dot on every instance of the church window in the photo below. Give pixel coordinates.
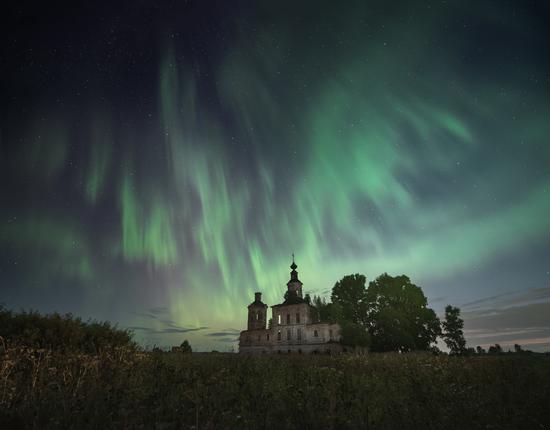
(288, 318)
(288, 335)
(279, 335)
(297, 318)
(257, 316)
(315, 333)
(279, 319)
(330, 333)
(299, 334)
(267, 336)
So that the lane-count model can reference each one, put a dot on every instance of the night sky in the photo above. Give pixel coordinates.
(161, 161)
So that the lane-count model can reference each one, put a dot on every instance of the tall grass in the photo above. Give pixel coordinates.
(122, 388)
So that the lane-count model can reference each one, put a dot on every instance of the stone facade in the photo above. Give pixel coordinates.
(292, 330)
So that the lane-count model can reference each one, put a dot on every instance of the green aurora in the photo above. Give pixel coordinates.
(401, 139)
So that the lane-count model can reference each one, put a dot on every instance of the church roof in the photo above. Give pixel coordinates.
(293, 301)
(258, 303)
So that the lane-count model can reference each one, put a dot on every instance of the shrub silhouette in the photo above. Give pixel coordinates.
(61, 332)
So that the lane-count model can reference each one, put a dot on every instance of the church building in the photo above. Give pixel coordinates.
(294, 328)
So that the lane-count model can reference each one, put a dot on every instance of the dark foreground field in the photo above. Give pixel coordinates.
(42, 390)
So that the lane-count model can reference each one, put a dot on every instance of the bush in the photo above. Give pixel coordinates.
(61, 332)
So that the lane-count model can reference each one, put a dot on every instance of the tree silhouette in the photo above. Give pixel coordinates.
(186, 347)
(350, 293)
(398, 316)
(452, 331)
(355, 335)
(324, 311)
(495, 349)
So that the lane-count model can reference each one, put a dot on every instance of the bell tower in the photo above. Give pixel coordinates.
(257, 313)
(294, 285)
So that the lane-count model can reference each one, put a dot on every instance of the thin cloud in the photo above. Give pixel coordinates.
(229, 340)
(510, 299)
(517, 317)
(145, 315)
(221, 334)
(159, 310)
(180, 330)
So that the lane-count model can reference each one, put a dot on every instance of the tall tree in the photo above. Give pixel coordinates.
(355, 335)
(398, 316)
(349, 293)
(452, 331)
(495, 349)
(326, 312)
(186, 347)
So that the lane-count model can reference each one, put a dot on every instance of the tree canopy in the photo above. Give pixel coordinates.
(392, 314)
(355, 335)
(452, 331)
(398, 317)
(350, 294)
(185, 347)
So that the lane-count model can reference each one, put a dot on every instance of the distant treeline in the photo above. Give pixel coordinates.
(60, 332)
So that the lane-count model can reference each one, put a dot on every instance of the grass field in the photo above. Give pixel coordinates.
(124, 389)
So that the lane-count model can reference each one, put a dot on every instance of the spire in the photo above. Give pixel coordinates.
(294, 273)
(293, 265)
(294, 285)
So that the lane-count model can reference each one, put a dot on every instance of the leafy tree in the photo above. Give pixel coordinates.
(480, 350)
(355, 335)
(398, 316)
(495, 349)
(452, 331)
(315, 304)
(186, 347)
(326, 312)
(517, 348)
(334, 313)
(350, 294)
